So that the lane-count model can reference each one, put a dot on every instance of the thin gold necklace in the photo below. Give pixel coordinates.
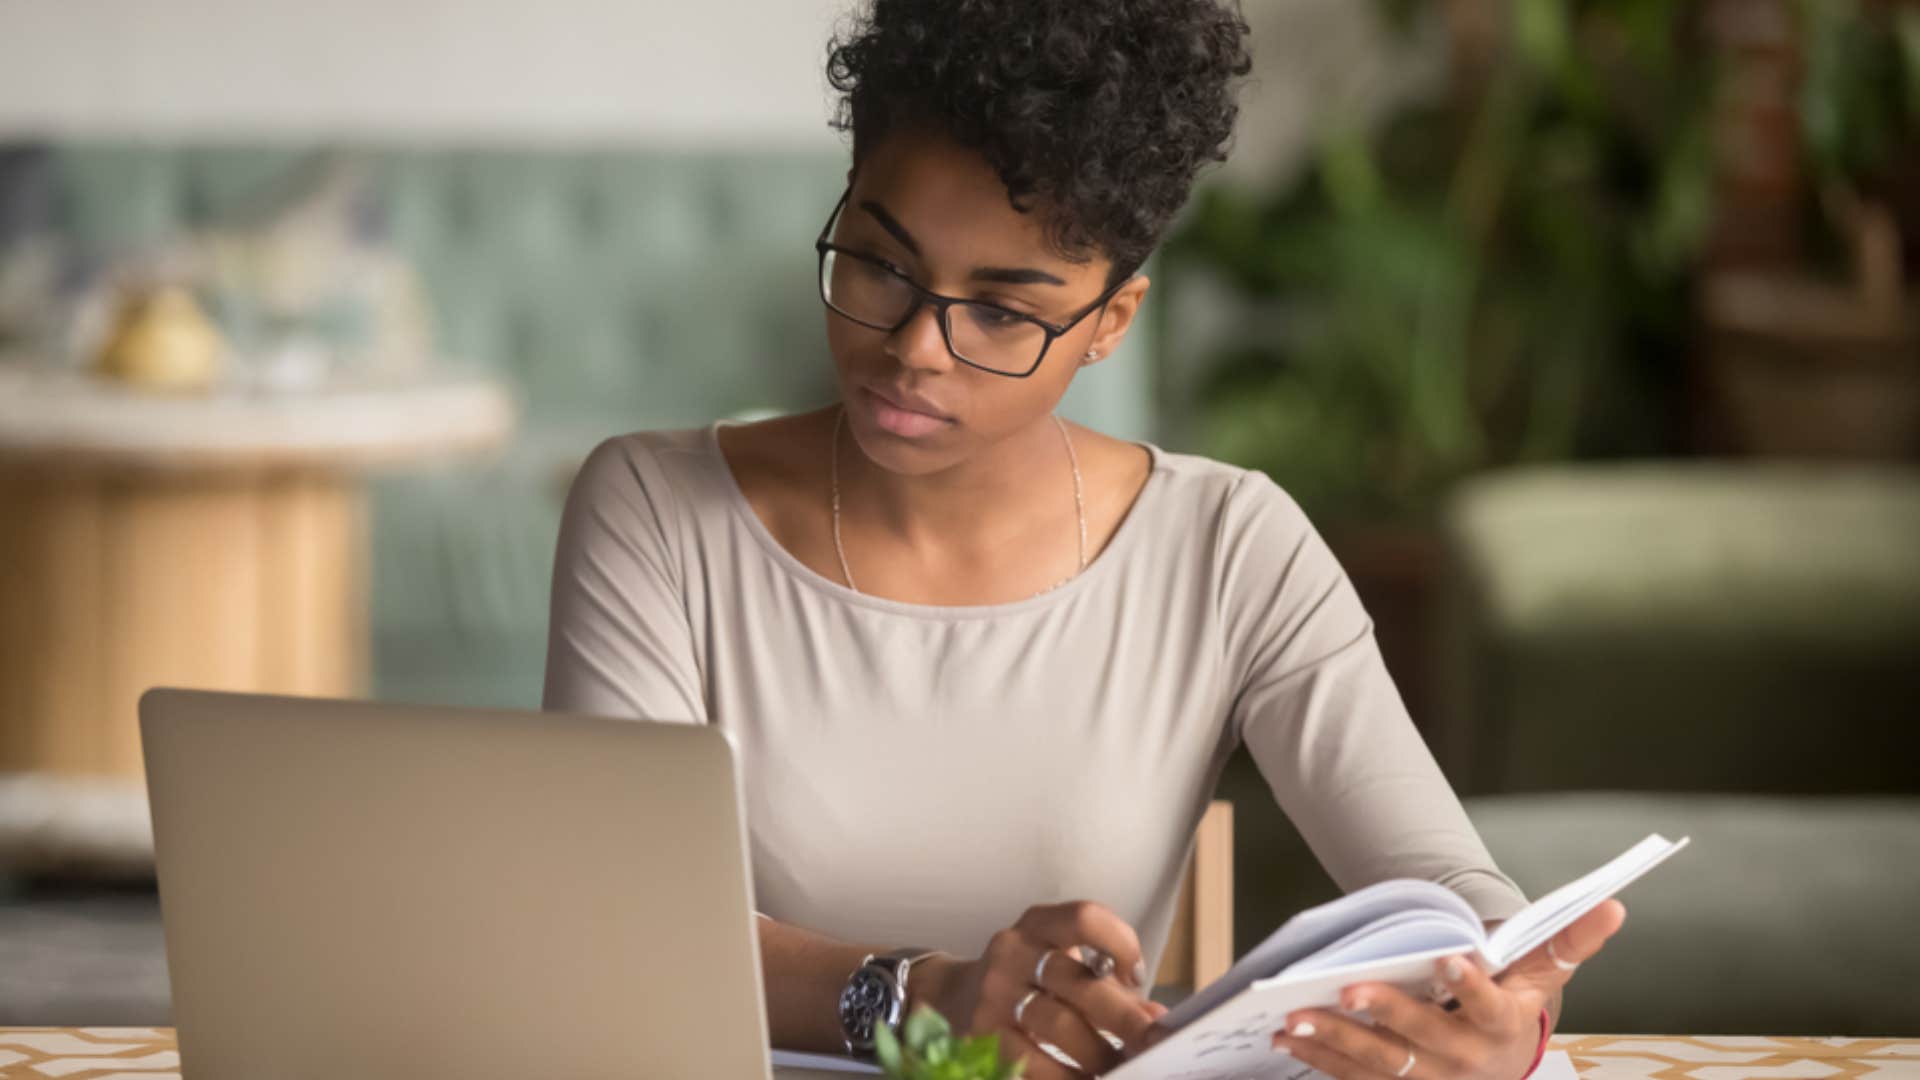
(1079, 501)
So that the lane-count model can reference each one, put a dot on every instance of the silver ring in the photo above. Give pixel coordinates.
(1408, 1067)
(1098, 961)
(1557, 962)
(1020, 1010)
(1040, 968)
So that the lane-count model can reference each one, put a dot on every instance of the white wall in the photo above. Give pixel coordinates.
(730, 73)
(677, 70)
(684, 71)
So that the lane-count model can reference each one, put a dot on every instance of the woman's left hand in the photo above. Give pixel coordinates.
(1492, 1035)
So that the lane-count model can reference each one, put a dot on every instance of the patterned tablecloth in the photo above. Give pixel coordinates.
(149, 1054)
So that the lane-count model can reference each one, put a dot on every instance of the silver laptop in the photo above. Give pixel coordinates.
(362, 890)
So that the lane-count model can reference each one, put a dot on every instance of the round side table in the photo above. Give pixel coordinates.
(214, 540)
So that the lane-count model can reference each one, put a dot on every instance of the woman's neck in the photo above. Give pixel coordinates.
(972, 508)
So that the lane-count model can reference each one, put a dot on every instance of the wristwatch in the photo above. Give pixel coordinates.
(876, 994)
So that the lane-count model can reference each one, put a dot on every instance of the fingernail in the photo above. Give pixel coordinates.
(1282, 1049)
(1455, 969)
(1358, 1002)
(1303, 1030)
(1139, 973)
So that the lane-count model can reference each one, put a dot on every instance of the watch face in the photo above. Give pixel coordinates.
(865, 1002)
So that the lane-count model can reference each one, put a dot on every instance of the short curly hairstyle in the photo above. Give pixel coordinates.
(1102, 110)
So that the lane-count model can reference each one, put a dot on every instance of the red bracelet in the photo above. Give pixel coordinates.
(1540, 1053)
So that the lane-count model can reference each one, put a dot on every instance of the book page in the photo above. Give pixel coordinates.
(1315, 929)
(1235, 1040)
(1400, 934)
(1558, 909)
(1385, 934)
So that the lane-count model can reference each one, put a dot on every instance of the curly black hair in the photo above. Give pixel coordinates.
(1102, 110)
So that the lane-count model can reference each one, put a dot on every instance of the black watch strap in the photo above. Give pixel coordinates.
(897, 965)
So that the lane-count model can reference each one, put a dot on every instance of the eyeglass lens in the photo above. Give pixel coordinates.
(871, 295)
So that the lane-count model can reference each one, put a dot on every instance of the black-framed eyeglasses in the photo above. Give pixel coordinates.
(979, 334)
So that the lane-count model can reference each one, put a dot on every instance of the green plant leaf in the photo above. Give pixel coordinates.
(926, 1028)
(1477, 279)
(931, 1052)
(886, 1049)
(1542, 33)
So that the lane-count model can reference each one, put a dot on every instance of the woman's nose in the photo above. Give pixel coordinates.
(919, 344)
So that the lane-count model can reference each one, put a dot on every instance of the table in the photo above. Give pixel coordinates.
(149, 1054)
(214, 540)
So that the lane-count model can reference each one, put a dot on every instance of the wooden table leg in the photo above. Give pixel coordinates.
(120, 580)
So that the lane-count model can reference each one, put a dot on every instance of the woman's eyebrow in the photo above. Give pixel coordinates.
(1004, 275)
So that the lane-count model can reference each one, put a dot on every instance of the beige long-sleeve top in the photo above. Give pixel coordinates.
(921, 775)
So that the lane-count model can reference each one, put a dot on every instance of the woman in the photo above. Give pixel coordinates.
(983, 667)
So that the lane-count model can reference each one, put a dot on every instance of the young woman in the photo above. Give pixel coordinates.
(982, 666)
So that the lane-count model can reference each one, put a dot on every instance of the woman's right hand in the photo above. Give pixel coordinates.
(1069, 1011)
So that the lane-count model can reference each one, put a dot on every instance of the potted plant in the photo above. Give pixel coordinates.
(1498, 272)
(1813, 344)
(932, 1052)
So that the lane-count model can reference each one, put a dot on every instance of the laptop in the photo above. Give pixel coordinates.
(372, 890)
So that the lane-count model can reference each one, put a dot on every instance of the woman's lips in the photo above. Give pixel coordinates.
(906, 423)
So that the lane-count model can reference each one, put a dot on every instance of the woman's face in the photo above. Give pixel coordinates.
(937, 214)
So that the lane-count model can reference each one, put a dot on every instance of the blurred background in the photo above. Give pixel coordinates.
(1585, 331)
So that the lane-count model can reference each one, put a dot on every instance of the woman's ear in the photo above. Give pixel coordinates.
(1115, 318)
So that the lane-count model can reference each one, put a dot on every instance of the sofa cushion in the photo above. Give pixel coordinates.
(1785, 915)
(1684, 627)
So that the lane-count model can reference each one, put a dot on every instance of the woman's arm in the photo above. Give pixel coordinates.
(618, 638)
(804, 973)
(619, 644)
(1315, 707)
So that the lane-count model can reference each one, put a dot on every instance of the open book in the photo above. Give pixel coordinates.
(1392, 932)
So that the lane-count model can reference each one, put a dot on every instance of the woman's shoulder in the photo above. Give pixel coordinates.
(1230, 496)
(665, 478)
(694, 473)
(661, 447)
(645, 461)
(706, 456)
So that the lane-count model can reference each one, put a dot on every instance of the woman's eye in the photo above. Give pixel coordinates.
(886, 265)
(994, 318)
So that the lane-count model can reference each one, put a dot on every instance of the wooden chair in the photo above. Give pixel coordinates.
(1200, 945)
